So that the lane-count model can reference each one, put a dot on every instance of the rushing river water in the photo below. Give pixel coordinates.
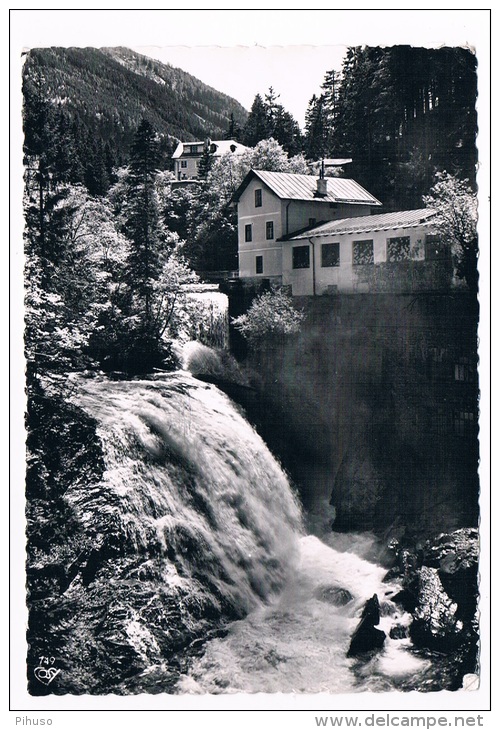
(207, 514)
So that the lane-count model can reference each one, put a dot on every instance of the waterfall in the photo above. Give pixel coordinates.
(195, 573)
(211, 319)
(299, 643)
(187, 477)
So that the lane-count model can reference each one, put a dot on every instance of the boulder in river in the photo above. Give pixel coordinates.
(333, 594)
(366, 637)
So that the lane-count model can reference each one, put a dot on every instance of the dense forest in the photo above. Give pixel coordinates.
(402, 114)
(108, 249)
(101, 96)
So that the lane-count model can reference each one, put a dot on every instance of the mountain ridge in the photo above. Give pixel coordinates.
(110, 89)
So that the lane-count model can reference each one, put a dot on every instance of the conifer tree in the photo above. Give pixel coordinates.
(316, 136)
(142, 220)
(257, 126)
(233, 131)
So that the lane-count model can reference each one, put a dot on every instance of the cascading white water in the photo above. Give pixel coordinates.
(184, 469)
(192, 493)
(212, 326)
(299, 643)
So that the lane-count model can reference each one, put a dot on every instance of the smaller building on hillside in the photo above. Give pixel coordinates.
(187, 155)
(274, 205)
(386, 253)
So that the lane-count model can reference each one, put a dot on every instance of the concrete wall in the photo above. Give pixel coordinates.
(415, 274)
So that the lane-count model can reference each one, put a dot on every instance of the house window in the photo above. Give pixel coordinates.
(464, 422)
(300, 257)
(193, 149)
(184, 163)
(464, 370)
(258, 198)
(330, 254)
(269, 230)
(438, 421)
(398, 249)
(259, 265)
(435, 249)
(437, 364)
(362, 252)
(248, 232)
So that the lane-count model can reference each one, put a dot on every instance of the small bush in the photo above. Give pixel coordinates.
(270, 314)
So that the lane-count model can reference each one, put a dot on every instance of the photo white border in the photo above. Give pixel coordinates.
(158, 27)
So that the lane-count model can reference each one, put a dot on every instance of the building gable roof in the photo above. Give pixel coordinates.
(292, 186)
(369, 223)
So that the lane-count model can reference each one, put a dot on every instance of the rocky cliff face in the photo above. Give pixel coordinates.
(374, 405)
(440, 589)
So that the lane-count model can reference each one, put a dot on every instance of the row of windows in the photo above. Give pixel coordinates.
(269, 231)
(398, 249)
(460, 421)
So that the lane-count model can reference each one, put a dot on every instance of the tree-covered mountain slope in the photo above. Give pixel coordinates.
(108, 92)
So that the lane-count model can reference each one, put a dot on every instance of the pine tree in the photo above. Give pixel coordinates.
(142, 221)
(205, 164)
(233, 132)
(316, 136)
(286, 131)
(257, 125)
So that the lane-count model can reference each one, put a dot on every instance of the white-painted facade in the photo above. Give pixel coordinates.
(390, 259)
(187, 155)
(264, 220)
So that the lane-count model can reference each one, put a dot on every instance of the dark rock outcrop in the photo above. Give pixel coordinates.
(435, 624)
(455, 556)
(366, 637)
(440, 589)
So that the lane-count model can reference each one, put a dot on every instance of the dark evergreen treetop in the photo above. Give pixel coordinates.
(269, 119)
(403, 114)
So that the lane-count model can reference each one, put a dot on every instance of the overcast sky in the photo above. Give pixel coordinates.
(294, 72)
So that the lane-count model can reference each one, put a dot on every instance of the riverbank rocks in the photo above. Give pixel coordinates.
(366, 637)
(455, 556)
(435, 624)
(440, 589)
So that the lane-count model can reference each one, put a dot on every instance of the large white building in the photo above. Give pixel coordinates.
(390, 252)
(318, 236)
(274, 205)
